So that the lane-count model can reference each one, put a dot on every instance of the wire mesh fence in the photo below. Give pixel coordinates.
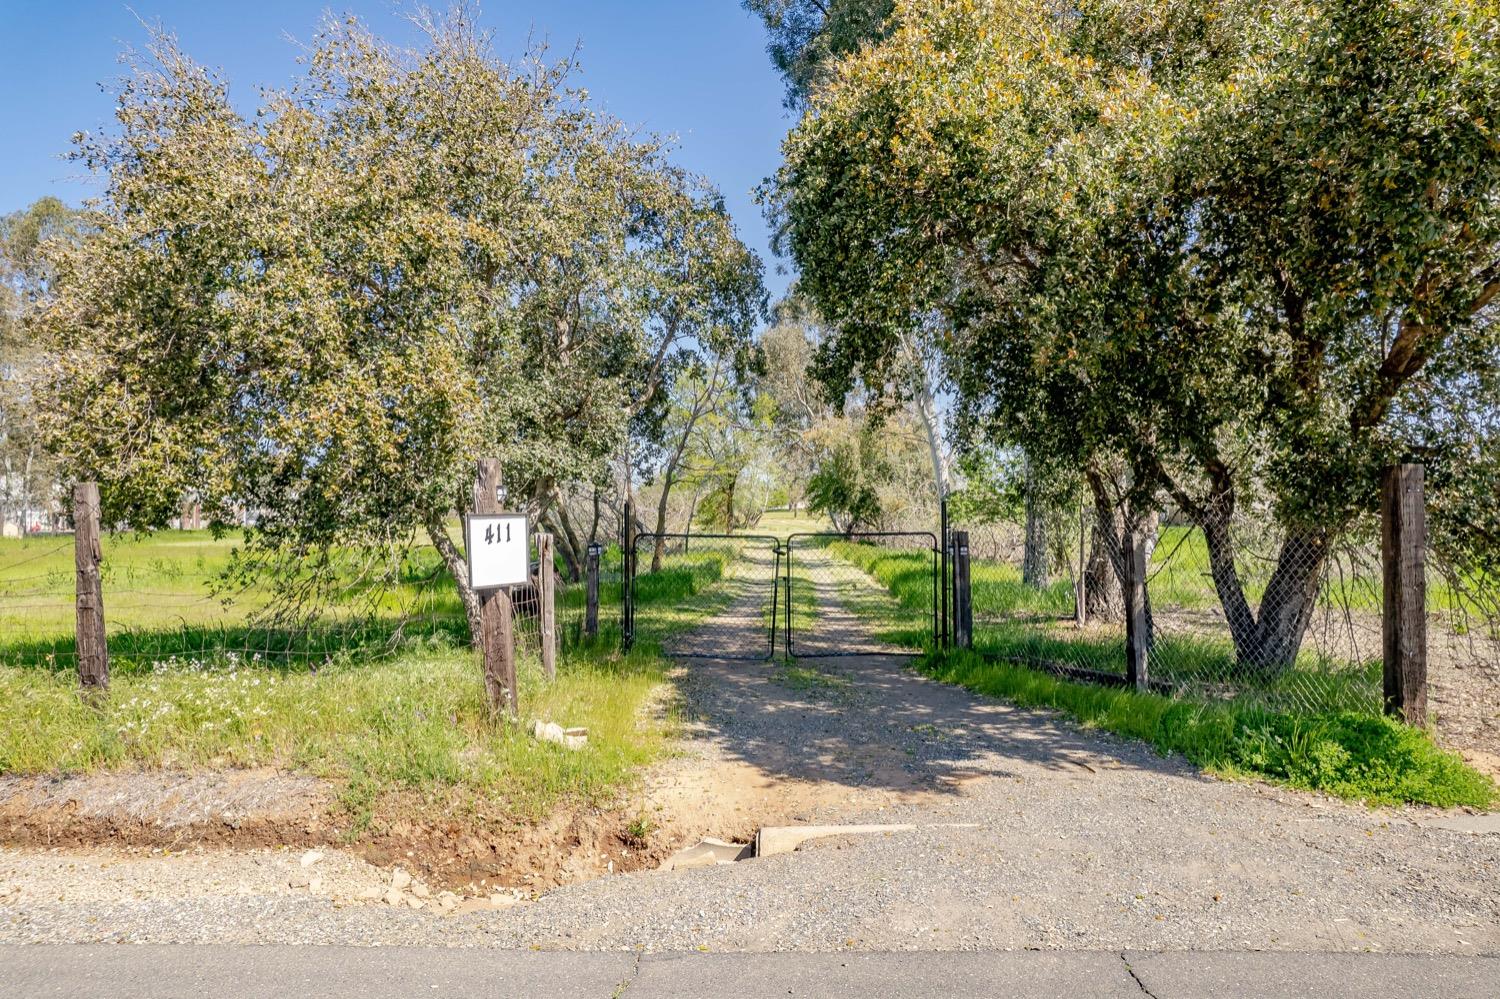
(861, 594)
(172, 601)
(1303, 631)
(708, 595)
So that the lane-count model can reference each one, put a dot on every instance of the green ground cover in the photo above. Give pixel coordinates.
(406, 711)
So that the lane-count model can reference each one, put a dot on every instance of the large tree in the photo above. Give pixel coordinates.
(1212, 251)
(28, 475)
(807, 37)
(327, 311)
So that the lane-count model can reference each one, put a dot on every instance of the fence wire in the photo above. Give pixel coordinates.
(167, 607)
(1308, 637)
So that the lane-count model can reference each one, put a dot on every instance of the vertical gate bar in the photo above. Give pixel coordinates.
(935, 587)
(789, 548)
(775, 592)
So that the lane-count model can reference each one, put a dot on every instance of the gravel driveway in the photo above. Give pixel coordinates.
(1036, 834)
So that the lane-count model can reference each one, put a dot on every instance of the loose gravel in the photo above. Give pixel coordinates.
(1080, 841)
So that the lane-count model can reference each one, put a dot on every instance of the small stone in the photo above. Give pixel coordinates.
(392, 897)
(502, 901)
(371, 893)
(415, 903)
(420, 890)
(315, 885)
(400, 879)
(298, 880)
(311, 857)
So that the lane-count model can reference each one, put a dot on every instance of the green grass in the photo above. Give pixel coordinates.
(1030, 626)
(1353, 756)
(405, 710)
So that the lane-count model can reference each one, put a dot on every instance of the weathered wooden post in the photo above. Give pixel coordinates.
(963, 604)
(627, 578)
(591, 607)
(1137, 632)
(89, 642)
(497, 640)
(1403, 548)
(547, 593)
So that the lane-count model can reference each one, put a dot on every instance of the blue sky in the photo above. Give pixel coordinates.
(693, 68)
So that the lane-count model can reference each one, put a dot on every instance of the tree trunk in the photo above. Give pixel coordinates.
(569, 543)
(458, 568)
(1265, 643)
(1034, 557)
(729, 505)
(564, 544)
(594, 524)
(659, 550)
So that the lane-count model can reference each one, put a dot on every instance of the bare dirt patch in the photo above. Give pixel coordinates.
(450, 844)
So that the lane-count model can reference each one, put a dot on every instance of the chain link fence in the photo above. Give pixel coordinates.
(1308, 637)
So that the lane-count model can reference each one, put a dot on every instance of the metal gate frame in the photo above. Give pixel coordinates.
(632, 560)
(938, 570)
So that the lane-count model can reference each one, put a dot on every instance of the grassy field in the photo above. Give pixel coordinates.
(403, 709)
(1354, 754)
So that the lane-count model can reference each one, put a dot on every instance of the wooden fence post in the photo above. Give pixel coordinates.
(89, 642)
(1137, 636)
(591, 610)
(497, 640)
(547, 593)
(1403, 549)
(963, 604)
(627, 601)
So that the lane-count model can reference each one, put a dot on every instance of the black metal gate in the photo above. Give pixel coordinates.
(704, 595)
(835, 608)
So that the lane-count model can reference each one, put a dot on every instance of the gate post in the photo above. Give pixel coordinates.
(627, 582)
(963, 605)
(1403, 510)
(591, 610)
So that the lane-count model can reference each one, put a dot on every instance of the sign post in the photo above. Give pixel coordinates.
(496, 542)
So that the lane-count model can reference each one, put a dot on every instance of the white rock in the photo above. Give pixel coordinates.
(311, 857)
(298, 880)
(400, 879)
(315, 885)
(371, 893)
(415, 903)
(503, 901)
(392, 897)
(420, 890)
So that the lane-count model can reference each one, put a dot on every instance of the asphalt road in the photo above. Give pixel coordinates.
(226, 972)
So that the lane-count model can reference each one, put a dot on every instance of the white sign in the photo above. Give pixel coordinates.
(499, 550)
